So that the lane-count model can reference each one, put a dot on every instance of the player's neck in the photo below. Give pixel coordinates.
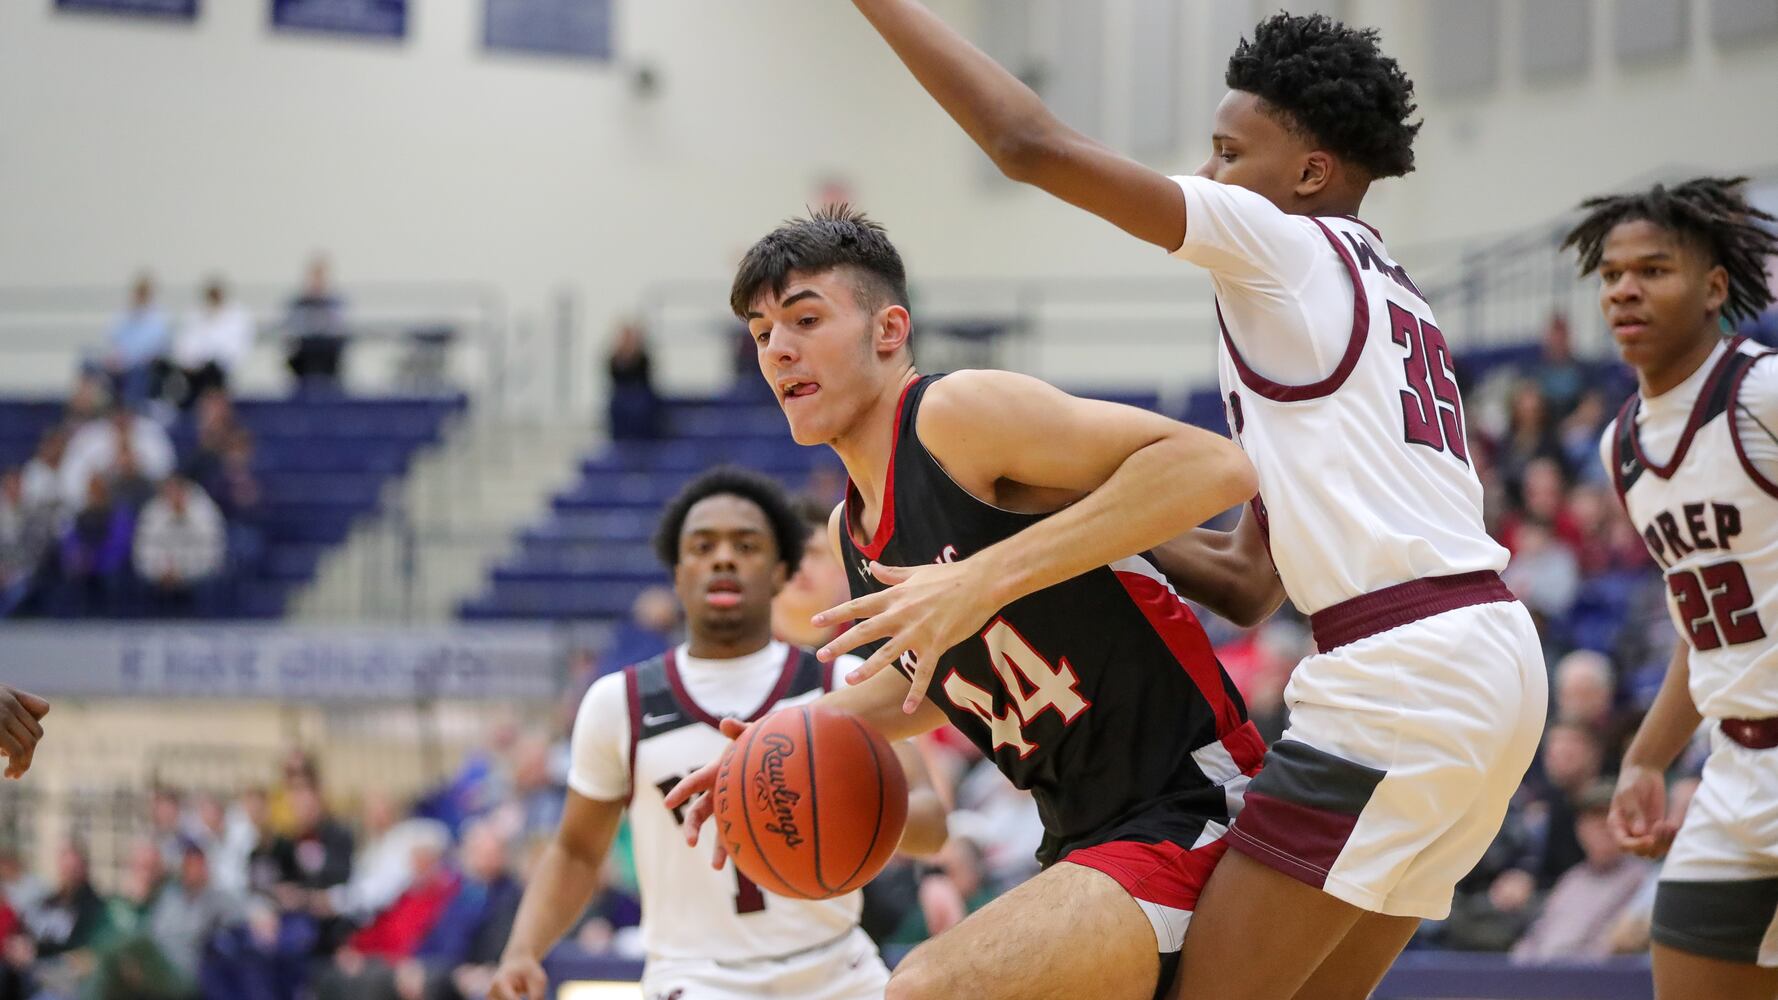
(719, 647)
(867, 451)
(1659, 381)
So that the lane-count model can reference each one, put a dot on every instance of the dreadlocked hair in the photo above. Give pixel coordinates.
(1711, 212)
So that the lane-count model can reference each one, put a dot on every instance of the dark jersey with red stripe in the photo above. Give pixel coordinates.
(1101, 694)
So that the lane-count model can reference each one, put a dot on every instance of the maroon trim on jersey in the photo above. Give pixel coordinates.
(785, 677)
(1693, 423)
(1359, 221)
(633, 698)
(828, 670)
(1403, 604)
(1626, 417)
(1754, 734)
(1163, 873)
(1766, 485)
(1174, 622)
(1278, 392)
(886, 521)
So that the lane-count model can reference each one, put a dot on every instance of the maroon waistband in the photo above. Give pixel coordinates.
(1754, 734)
(1392, 607)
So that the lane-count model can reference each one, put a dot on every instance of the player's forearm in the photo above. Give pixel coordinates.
(877, 703)
(557, 895)
(1670, 721)
(928, 824)
(1004, 117)
(1229, 572)
(1158, 493)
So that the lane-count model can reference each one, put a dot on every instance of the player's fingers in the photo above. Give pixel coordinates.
(698, 781)
(891, 575)
(22, 715)
(873, 665)
(922, 677)
(733, 728)
(869, 630)
(718, 854)
(536, 985)
(33, 704)
(700, 810)
(859, 607)
(15, 740)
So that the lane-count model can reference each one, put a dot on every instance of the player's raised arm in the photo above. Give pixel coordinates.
(1229, 572)
(1024, 139)
(566, 878)
(1135, 479)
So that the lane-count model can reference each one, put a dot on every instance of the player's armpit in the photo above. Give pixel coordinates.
(1024, 139)
(1229, 572)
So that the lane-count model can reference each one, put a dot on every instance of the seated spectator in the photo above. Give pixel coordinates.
(365, 967)
(213, 341)
(535, 807)
(95, 553)
(457, 959)
(72, 916)
(315, 329)
(137, 340)
(1572, 761)
(1559, 377)
(227, 838)
(318, 854)
(383, 868)
(1581, 911)
(25, 536)
(88, 401)
(1543, 500)
(188, 911)
(1579, 435)
(216, 425)
(93, 450)
(128, 485)
(42, 477)
(1543, 573)
(1586, 693)
(266, 956)
(144, 875)
(19, 888)
(1530, 435)
(180, 544)
(654, 619)
(634, 406)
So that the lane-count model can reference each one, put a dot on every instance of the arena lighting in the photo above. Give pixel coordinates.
(589, 989)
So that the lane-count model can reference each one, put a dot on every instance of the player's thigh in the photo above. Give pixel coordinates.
(1683, 975)
(1070, 932)
(1358, 963)
(1246, 905)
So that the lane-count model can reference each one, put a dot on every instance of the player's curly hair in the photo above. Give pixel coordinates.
(830, 237)
(1333, 83)
(1712, 213)
(788, 528)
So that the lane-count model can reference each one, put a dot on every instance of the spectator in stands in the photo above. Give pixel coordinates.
(365, 968)
(128, 485)
(137, 339)
(180, 544)
(635, 408)
(1579, 437)
(315, 328)
(227, 839)
(654, 620)
(1572, 759)
(144, 875)
(189, 910)
(457, 959)
(166, 824)
(95, 554)
(1559, 377)
(1543, 573)
(89, 400)
(1530, 435)
(298, 769)
(93, 450)
(42, 481)
(1586, 694)
(213, 341)
(383, 868)
(1543, 500)
(25, 535)
(535, 809)
(216, 426)
(19, 888)
(1579, 915)
(318, 854)
(72, 916)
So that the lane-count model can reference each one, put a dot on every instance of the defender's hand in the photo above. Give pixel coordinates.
(698, 784)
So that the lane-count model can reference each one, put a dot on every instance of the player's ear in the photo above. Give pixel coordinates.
(1315, 173)
(891, 329)
(1716, 290)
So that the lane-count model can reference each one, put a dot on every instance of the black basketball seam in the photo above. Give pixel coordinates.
(876, 763)
(746, 750)
(814, 799)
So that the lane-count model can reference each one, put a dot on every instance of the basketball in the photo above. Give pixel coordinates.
(810, 803)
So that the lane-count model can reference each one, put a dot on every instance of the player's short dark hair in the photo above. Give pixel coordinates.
(788, 529)
(837, 236)
(1711, 213)
(1333, 83)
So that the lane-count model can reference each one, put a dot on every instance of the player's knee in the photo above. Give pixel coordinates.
(915, 977)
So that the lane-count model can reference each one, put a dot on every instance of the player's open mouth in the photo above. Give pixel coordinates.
(723, 593)
(798, 390)
(1629, 327)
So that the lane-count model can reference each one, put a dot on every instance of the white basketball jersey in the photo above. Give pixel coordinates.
(1710, 519)
(689, 910)
(1365, 477)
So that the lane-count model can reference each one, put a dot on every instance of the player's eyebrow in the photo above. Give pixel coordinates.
(807, 293)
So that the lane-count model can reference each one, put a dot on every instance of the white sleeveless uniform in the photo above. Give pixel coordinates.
(1697, 468)
(1413, 726)
(710, 933)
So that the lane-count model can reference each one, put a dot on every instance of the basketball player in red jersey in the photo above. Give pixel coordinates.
(1694, 458)
(1417, 718)
(1085, 677)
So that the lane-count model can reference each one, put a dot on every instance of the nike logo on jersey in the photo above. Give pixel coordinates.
(659, 720)
(1627, 469)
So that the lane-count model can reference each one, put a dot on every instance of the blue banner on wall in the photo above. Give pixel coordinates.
(182, 10)
(375, 18)
(579, 28)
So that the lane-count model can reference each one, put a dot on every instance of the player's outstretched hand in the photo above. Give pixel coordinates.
(20, 728)
(925, 611)
(519, 979)
(698, 784)
(1639, 812)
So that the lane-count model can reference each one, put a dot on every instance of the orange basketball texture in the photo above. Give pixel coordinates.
(810, 803)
